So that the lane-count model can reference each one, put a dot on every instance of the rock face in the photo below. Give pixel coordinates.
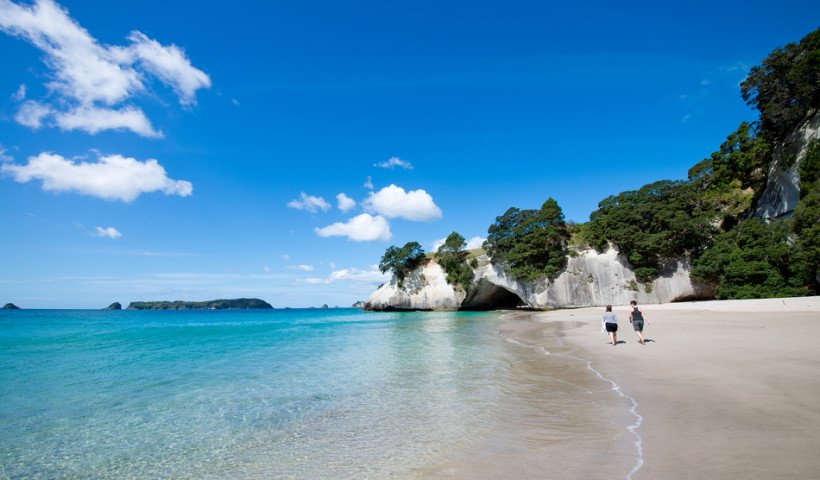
(590, 279)
(114, 306)
(10, 306)
(782, 191)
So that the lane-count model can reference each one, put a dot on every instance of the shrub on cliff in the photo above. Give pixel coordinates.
(657, 223)
(453, 259)
(530, 244)
(402, 261)
(754, 260)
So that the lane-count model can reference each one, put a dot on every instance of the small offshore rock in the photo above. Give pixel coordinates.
(10, 306)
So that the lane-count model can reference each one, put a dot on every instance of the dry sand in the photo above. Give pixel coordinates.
(726, 389)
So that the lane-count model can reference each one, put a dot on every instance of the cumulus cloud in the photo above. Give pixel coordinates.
(31, 114)
(304, 268)
(368, 184)
(310, 203)
(93, 120)
(109, 232)
(393, 201)
(112, 177)
(4, 155)
(86, 74)
(393, 162)
(362, 228)
(437, 244)
(475, 242)
(344, 202)
(370, 276)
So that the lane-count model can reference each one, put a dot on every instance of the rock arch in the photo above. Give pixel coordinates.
(486, 295)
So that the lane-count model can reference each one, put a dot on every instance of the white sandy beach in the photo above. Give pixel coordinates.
(726, 389)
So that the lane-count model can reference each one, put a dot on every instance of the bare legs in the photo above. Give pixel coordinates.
(613, 337)
(641, 340)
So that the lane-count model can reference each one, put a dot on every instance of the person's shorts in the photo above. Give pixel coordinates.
(611, 327)
(638, 326)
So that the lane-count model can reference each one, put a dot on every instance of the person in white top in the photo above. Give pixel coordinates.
(611, 325)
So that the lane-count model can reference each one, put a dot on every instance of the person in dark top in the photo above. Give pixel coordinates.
(637, 320)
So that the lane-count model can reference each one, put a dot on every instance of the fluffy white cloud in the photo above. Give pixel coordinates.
(368, 184)
(93, 120)
(394, 162)
(4, 155)
(475, 242)
(86, 73)
(472, 244)
(370, 276)
(31, 114)
(362, 228)
(109, 232)
(393, 201)
(304, 268)
(309, 203)
(344, 202)
(113, 177)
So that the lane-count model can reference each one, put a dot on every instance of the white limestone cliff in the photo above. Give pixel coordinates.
(782, 191)
(590, 279)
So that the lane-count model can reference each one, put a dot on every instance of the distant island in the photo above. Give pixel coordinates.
(114, 306)
(236, 304)
(10, 306)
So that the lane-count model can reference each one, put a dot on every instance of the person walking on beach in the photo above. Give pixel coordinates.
(637, 321)
(611, 324)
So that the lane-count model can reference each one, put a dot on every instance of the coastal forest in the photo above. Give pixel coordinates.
(712, 218)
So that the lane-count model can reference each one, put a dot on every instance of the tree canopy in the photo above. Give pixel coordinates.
(530, 244)
(786, 86)
(453, 259)
(402, 260)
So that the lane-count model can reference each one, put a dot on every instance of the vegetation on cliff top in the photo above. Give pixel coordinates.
(401, 261)
(453, 259)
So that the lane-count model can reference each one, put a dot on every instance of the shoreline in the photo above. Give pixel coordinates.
(726, 389)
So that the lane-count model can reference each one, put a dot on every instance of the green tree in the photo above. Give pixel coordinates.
(806, 224)
(659, 222)
(453, 259)
(786, 86)
(402, 261)
(754, 260)
(530, 244)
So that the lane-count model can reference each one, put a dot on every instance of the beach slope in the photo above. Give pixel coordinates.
(726, 389)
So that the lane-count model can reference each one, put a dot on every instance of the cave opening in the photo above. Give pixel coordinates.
(488, 296)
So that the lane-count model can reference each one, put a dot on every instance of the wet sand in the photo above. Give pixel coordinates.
(727, 389)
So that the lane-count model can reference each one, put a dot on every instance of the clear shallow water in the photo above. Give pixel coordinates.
(215, 394)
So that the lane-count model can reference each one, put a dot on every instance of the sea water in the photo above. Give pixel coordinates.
(302, 393)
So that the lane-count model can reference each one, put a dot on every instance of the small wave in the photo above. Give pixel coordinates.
(633, 429)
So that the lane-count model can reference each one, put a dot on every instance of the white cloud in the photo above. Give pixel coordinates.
(20, 94)
(112, 177)
(437, 244)
(394, 162)
(368, 184)
(304, 268)
(286, 257)
(31, 114)
(475, 242)
(4, 155)
(94, 120)
(309, 203)
(109, 232)
(344, 202)
(370, 276)
(472, 244)
(393, 201)
(170, 65)
(362, 228)
(88, 74)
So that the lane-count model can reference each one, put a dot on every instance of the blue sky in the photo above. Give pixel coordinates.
(482, 106)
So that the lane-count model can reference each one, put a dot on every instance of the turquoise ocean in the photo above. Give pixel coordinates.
(301, 393)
